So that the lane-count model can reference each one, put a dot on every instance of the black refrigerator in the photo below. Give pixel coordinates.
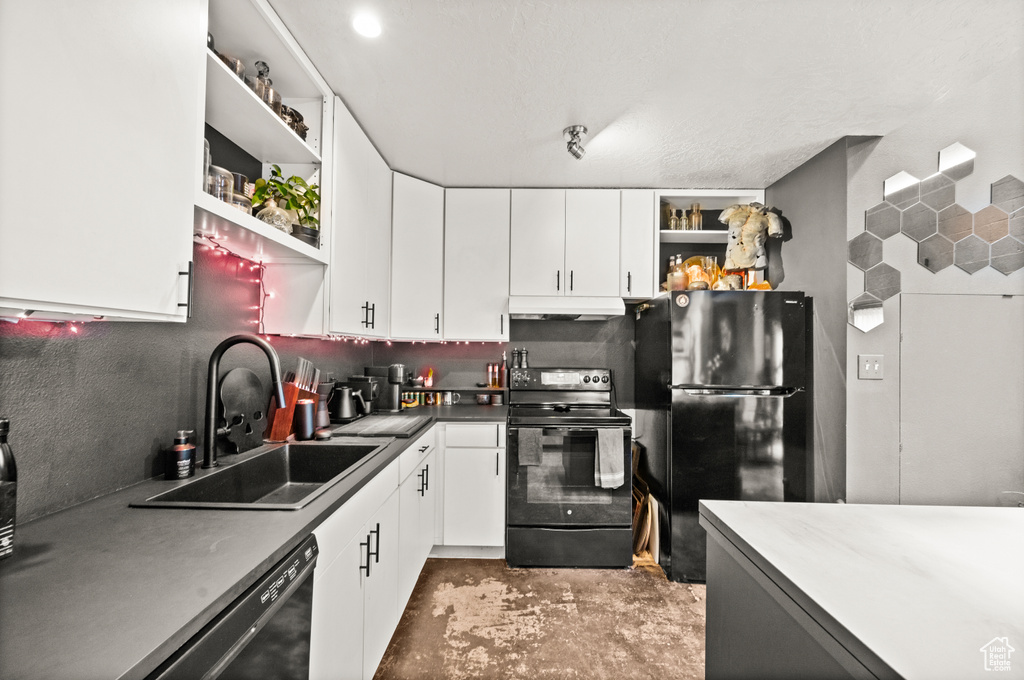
(723, 382)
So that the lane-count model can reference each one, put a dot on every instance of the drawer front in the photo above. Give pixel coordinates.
(337, 530)
(475, 435)
(410, 459)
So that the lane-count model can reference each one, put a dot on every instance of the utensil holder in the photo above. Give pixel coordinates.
(280, 419)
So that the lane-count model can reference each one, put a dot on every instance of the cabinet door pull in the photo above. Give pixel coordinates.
(437, 323)
(423, 481)
(629, 282)
(501, 324)
(570, 280)
(426, 476)
(187, 304)
(367, 546)
(558, 280)
(376, 552)
(373, 315)
(365, 323)
(497, 456)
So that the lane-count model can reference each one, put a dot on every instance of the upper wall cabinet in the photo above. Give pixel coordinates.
(249, 31)
(638, 245)
(417, 259)
(564, 242)
(476, 246)
(361, 258)
(101, 137)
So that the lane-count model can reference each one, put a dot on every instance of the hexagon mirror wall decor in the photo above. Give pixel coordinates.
(925, 211)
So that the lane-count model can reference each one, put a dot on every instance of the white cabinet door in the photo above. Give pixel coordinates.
(380, 606)
(351, 217)
(378, 244)
(592, 242)
(537, 244)
(476, 257)
(336, 640)
(101, 139)
(474, 496)
(638, 245)
(417, 259)
(416, 530)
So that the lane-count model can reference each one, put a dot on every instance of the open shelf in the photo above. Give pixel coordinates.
(698, 236)
(236, 112)
(249, 237)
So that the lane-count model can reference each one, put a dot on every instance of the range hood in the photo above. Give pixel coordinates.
(565, 308)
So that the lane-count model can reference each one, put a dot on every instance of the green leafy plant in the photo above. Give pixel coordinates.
(293, 193)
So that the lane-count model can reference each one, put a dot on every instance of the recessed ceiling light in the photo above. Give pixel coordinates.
(366, 25)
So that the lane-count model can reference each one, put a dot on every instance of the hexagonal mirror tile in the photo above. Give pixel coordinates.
(864, 251)
(956, 161)
(883, 220)
(919, 222)
(902, 190)
(971, 254)
(935, 253)
(938, 191)
(955, 223)
(865, 312)
(991, 224)
(882, 281)
(1008, 194)
(1007, 255)
(1017, 225)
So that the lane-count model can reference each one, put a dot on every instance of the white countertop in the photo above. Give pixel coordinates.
(924, 588)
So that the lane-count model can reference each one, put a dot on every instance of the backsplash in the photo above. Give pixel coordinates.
(91, 412)
(93, 407)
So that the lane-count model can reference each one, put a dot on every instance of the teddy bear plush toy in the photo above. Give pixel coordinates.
(748, 227)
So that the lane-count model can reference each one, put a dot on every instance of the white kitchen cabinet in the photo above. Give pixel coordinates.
(360, 263)
(417, 500)
(417, 259)
(592, 242)
(474, 484)
(101, 138)
(537, 242)
(355, 594)
(476, 259)
(564, 242)
(638, 245)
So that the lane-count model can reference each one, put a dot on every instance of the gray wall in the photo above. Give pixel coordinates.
(91, 413)
(811, 257)
(987, 119)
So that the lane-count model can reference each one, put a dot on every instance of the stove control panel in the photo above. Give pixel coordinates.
(561, 379)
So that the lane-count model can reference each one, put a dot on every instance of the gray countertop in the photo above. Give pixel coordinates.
(912, 591)
(101, 590)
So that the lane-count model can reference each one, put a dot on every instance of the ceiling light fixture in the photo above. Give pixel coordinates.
(575, 146)
(366, 25)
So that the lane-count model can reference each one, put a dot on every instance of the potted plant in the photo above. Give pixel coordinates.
(290, 205)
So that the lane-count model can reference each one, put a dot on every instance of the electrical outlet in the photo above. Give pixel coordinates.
(870, 366)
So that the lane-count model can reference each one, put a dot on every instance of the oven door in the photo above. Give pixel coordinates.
(560, 491)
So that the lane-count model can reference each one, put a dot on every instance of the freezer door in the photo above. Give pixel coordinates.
(738, 338)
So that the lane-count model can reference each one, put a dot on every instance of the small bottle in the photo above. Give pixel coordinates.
(181, 459)
(8, 492)
(673, 221)
(502, 372)
(695, 219)
(669, 280)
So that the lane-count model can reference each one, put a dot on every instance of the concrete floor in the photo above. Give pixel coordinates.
(480, 619)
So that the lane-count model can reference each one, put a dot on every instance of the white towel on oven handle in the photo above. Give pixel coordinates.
(608, 463)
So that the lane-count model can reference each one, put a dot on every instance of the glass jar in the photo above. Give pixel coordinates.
(275, 217)
(219, 183)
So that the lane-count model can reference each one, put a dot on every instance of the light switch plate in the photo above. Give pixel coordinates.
(870, 366)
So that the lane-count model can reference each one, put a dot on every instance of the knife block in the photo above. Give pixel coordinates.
(279, 419)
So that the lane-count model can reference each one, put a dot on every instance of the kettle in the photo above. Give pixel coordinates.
(345, 399)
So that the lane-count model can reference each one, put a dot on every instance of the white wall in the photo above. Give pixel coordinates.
(987, 119)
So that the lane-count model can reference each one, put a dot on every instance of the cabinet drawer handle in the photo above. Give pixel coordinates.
(367, 546)
(424, 448)
(376, 552)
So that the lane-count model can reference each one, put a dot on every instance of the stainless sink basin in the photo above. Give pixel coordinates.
(284, 478)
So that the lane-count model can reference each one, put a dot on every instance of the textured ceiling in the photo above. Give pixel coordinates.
(675, 93)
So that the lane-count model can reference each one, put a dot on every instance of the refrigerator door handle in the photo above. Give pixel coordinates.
(752, 391)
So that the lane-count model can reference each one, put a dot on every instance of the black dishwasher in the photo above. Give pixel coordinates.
(264, 633)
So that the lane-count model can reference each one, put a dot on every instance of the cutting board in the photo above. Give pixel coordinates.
(383, 426)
